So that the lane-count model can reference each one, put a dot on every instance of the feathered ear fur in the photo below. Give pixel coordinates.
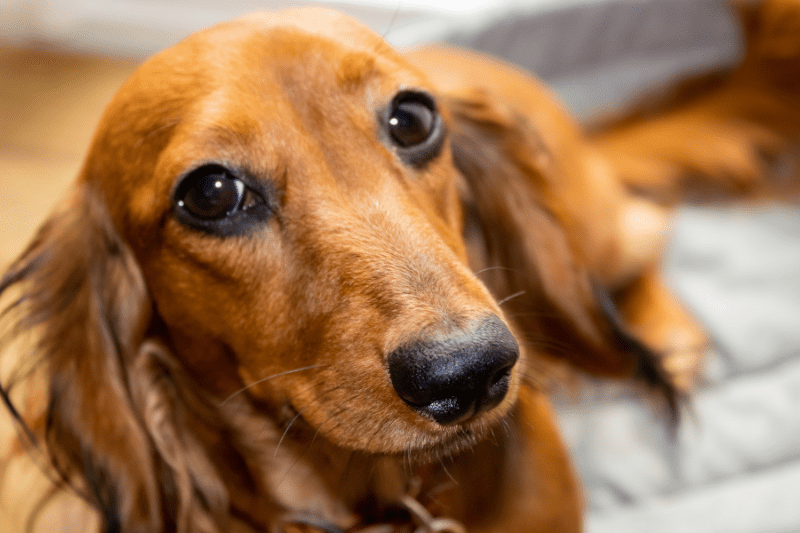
(81, 295)
(521, 250)
(113, 425)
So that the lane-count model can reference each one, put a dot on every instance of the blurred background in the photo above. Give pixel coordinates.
(734, 465)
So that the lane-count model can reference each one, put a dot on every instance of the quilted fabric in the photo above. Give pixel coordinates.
(734, 463)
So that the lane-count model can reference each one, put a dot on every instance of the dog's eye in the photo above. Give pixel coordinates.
(213, 195)
(411, 123)
(415, 127)
(213, 199)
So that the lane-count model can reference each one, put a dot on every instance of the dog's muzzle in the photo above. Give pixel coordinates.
(454, 378)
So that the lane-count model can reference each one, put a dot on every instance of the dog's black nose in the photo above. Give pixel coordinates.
(453, 379)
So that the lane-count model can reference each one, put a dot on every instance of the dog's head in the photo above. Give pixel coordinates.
(290, 197)
(270, 220)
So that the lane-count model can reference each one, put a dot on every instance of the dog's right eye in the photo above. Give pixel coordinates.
(214, 199)
(212, 195)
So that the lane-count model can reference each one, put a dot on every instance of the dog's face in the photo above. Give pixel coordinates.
(267, 236)
(291, 200)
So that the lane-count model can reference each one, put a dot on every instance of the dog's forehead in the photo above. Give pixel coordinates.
(308, 42)
(307, 58)
(319, 22)
(257, 73)
(296, 36)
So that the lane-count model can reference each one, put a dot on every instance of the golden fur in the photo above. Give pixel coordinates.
(238, 373)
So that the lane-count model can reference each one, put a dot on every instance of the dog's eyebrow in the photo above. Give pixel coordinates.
(231, 129)
(157, 130)
(354, 68)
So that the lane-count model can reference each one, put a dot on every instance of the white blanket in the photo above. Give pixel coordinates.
(734, 464)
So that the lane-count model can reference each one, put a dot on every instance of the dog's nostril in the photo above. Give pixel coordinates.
(500, 375)
(449, 410)
(452, 379)
(497, 389)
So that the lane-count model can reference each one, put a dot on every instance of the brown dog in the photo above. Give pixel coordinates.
(273, 300)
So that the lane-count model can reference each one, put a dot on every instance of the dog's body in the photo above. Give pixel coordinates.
(273, 301)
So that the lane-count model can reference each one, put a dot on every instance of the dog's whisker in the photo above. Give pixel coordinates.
(288, 471)
(533, 381)
(507, 269)
(273, 376)
(333, 416)
(533, 314)
(492, 436)
(347, 466)
(297, 416)
(377, 432)
(283, 435)
(447, 472)
(510, 297)
(296, 460)
(390, 26)
(155, 131)
(547, 345)
(506, 425)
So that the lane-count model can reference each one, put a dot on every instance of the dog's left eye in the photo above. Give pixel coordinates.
(411, 122)
(415, 127)
(213, 199)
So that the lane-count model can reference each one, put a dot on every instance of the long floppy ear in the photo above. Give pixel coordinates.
(518, 246)
(108, 423)
(80, 294)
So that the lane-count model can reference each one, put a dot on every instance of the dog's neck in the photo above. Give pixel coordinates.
(310, 481)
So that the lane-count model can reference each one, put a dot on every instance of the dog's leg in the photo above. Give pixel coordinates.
(730, 134)
(733, 133)
(656, 316)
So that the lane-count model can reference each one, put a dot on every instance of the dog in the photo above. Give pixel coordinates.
(305, 282)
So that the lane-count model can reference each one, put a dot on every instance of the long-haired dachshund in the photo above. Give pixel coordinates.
(307, 283)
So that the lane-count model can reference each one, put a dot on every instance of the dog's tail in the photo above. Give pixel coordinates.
(732, 133)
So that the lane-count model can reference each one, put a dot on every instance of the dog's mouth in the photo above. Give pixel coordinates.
(433, 398)
(415, 445)
(398, 430)
(449, 442)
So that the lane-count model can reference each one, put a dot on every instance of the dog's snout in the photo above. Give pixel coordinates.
(453, 379)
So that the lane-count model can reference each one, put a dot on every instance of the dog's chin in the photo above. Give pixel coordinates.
(450, 441)
(418, 440)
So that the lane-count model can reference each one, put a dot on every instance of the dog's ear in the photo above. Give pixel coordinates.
(520, 248)
(79, 293)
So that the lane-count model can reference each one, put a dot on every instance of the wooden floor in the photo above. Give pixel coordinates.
(49, 104)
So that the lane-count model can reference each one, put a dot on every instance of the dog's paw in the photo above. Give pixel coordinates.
(683, 350)
(658, 319)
